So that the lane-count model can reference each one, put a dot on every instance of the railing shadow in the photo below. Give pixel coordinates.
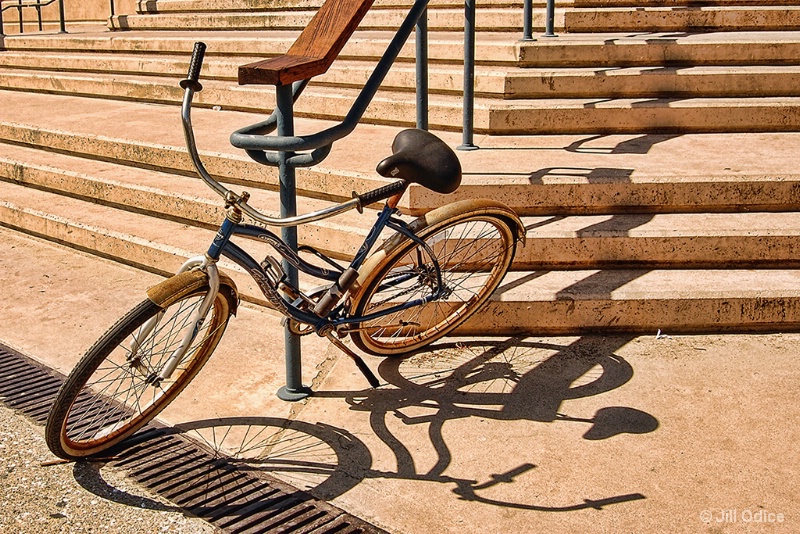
(641, 144)
(593, 175)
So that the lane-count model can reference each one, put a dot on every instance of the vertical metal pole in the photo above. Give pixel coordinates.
(550, 19)
(19, 9)
(39, 14)
(421, 41)
(62, 17)
(293, 390)
(112, 8)
(469, 75)
(2, 27)
(527, 21)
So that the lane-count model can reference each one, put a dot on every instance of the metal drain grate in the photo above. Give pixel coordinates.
(190, 475)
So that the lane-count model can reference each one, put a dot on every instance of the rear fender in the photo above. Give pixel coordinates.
(431, 220)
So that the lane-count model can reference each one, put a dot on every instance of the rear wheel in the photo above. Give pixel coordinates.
(115, 389)
(473, 252)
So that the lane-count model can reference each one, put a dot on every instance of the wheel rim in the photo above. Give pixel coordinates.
(473, 255)
(124, 391)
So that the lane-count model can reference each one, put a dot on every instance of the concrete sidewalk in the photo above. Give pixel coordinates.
(568, 434)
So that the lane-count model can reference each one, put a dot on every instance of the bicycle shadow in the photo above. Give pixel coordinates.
(513, 379)
(89, 476)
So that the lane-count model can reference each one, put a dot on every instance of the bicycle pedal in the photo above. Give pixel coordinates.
(274, 271)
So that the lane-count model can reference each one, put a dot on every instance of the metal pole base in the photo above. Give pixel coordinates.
(294, 395)
(467, 147)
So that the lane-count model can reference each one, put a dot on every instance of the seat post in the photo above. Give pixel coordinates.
(294, 389)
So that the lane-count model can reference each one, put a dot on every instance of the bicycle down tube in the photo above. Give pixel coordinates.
(268, 287)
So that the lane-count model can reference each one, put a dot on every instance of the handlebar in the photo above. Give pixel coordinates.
(196, 63)
(192, 85)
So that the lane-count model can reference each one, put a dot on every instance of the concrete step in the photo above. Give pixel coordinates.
(577, 302)
(567, 50)
(699, 240)
(495, 19)
(169, 196)
(520, 116)
(491, 47)
(671, 3)
(490, 81)
(540, 302)
(208, 6)
(148, 243)
(682, 18)
(664, 240)
(656, 82)
(506, 82)
(642, 48)
(547, 175)
(318, 102)
(629, 115)
(200, 6)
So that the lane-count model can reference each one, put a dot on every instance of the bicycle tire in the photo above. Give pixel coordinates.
(471, 246)
(108, 396)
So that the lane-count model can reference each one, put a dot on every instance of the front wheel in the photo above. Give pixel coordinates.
(473, 252)
(115, 389)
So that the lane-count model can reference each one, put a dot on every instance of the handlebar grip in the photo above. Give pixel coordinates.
(381, 193)
(195, 65)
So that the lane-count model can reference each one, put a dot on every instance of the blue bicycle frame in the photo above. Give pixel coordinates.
(223, 246)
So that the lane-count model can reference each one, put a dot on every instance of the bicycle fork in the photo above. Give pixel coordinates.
(195, 321)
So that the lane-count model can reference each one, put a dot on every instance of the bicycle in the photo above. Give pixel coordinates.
(423, 281)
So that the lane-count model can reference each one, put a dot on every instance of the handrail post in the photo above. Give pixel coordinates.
(21, 22)
(62, 17)
(421, 43)
(550, 19)
(469, 76)
(527, 21)
(112, 8)
(294, 389)
(2, 27)
(38, 7)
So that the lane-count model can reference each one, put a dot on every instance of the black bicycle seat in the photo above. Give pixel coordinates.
(422, 158)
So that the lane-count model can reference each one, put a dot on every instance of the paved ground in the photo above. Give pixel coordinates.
(79, 498)
(572, 434)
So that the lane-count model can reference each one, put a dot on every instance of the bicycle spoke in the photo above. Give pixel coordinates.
(472, 256)
(126, 385)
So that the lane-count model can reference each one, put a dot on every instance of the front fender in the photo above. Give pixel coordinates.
(180, 285)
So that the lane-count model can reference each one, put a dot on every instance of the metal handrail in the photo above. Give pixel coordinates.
(550, 16)
(255, 139)
(469, 64)
(38, 5)
(469, 76)
(527, 20)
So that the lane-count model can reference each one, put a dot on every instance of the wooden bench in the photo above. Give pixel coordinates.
(314, 50)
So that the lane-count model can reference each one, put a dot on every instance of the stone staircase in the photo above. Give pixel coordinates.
(619, 144)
